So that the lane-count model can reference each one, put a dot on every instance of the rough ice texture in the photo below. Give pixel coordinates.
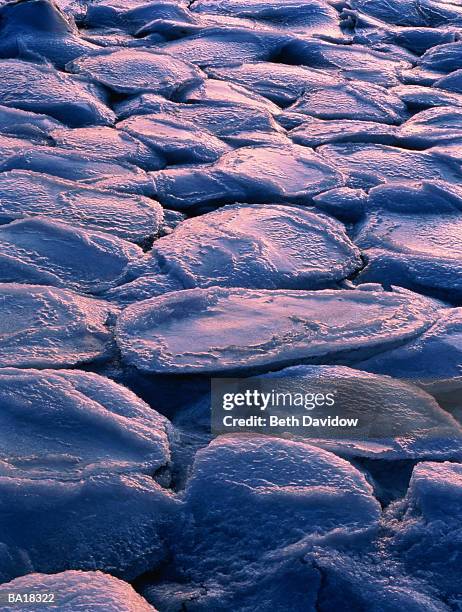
(257, 246)
(109, 144)
(47, 327)
(367, 165)
(43, 31)
(314, 149)
(25, 194)
(112, 522)
(45, 90)
(45, 252)
(420, 427)
(87, 169)
(77, 591)
(68, 424)
(177, 140)
(264, 496)
(133, 71)
(250, 174)
(345, 101)
(280, 83)
(420, 251)
(223, 330)
(426, 527)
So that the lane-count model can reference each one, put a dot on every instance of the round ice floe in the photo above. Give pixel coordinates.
(74, 590)
(26, 194)
(260, 246)
(66, 424)
(432, 127)
(263, 494)
(422, 252)
(41, 251)
(41, 89)
(47, 327)
(396, 420)
(177, 140)
(250, 174)
(134, 71)
(219, 330)
(109, 144)
(367, 165)
(83, 450)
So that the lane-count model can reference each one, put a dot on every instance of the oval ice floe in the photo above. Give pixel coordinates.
(48, 327)
(178, 140)
(81, 167)
(77, 588)
(109, 144)
(45, 252)
(367, 165)
(249, 174)
(348, 101)
(134, 71)
(26, 194)
(260, 246)
(396, 420)
(66, 424)
(225, 330)
(281, 83)
(39, 88)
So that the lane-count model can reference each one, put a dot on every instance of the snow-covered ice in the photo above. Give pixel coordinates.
(249, 174)
(263, 497)
(281, 83)
(418, 250)
(109, 144)
(78, 426)
(195, 188)
(84, 168)
(48, 327)
(39, 251)
(227, 330)
(77, 590)
(45, 90)
(367, 165)
(397, 420)
(134, 71)
(177, 140)
(39, 28)
(257, 246)
(25, 194)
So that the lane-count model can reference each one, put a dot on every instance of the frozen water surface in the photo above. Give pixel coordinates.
(219, 330)
(48, 327)
(38, 250)
(257, 246)
(223, 187)
(77, 588)
(250, 174)
(25, 194)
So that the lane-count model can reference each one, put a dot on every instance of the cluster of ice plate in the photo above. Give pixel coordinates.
(217, 188)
